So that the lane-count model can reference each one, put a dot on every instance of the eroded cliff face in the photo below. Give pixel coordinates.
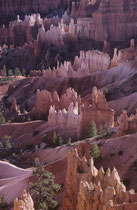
(88, 188)
(11, 8)
(127, 124)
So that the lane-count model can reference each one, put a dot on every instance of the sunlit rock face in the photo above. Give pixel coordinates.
(88, 188)
(76, 122)
(25, 203)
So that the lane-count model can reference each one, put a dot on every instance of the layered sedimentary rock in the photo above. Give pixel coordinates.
(124, 55)
(98, 112)
(25, 202)
(87, 63)
(45, 99)
(112, 21)
(88, 188)
(65, 120)
(83, 8)
(77, 121)
(127, 124)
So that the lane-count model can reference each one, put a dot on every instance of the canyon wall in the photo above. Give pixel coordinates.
(124, 55)
(88, 188)
(10, 8)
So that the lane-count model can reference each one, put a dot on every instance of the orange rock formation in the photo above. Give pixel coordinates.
(88, 188)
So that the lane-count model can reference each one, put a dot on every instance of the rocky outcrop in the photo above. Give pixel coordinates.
(45, 99)
(87, 63)
(25, 203)
(65, 120)
(109, 21)
(98, 112)
(77, 121)
(14, 107)
(83, 8)
(127, 124)
(91, 61)
(124, 55)
(88, 188)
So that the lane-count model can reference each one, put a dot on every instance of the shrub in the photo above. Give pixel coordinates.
(43, 190)
(3, 203)
(92, 131)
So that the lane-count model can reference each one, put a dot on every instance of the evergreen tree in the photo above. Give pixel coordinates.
(2, 119)
(95, 152)
(17, 72)
(43, 190)
(23, 72)
(4, 71)
(92, 130)
(60, 141)
(54, 140)
(10, 72)
(69, 141)
(3, 203)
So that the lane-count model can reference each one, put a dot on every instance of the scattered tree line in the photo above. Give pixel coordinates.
(13, 72)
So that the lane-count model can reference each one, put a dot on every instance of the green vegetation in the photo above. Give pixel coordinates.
(6, 80)
(4, 71)
(92, 131)
(3, 203)
(69, 141)
(2, 119)
(43, 190)
(17, 72)
(10, 72)
(60, 140)
(95, 152)
(56, 141)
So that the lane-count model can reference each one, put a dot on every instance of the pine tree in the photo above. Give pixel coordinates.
(69, 141)
(92, 130)
(60, 141)
(4, 71)
(43, 190)
(10, 72)
(95, 152)
(17, 72)
(54, 140)
(2, 119)
(3, 203)
(23, 72)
